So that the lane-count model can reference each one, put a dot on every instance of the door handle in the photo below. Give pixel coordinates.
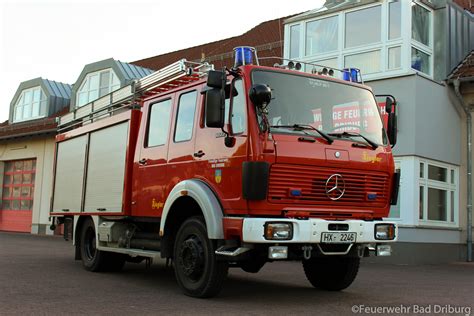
(199, 154)
(142, 161)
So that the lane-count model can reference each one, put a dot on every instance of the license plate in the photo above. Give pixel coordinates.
(338, 238)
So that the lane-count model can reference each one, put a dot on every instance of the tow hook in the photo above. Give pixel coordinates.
(307, 252)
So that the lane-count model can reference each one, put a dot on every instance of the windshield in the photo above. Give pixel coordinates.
(328, 106)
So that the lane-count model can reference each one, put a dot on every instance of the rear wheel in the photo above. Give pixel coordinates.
(197, 271)
(331, 273)
(93, 259)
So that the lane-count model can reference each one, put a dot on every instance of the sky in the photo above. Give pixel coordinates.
(54, 39)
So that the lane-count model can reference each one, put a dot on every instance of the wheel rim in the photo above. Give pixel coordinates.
(191, 258)
(89, 244)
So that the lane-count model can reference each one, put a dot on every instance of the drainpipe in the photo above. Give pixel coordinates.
(456, 84)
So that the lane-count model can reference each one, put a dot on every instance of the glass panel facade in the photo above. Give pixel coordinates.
(30, 105)
(394, 57)
(96, 85)
(394, 20)
(367, 62)
(321, 36)
(295, 41)
(420, 61)
(437, 203)
(437, 173)
(420, 24)
(363, 27)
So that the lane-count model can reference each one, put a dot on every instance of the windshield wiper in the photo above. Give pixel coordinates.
(351, 134)
(303, 127)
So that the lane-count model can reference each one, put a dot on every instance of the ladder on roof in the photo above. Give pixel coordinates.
(172, 76)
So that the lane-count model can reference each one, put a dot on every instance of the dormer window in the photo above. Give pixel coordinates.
(31, 104)
(96, 85)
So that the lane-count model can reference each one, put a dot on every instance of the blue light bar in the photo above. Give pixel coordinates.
(351, 74)
(243, 55)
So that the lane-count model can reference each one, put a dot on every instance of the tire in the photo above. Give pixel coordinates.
(197, 271)
(93, 259)
(331, 273)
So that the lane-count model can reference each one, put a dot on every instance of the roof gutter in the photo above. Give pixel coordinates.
(467, 110)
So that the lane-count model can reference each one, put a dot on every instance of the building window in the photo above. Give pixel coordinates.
(363, 27)
(295, 41)
(18, 185)
(369, 61)
(31, 104)
(420, 24)
(438, 192)
(394, 20)
(96, 85)
(395, 57)
(420, 61)
(421, 29)
(321, 36)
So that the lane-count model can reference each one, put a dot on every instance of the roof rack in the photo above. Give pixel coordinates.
(175, 75)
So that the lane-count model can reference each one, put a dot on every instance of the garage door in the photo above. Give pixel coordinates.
(17, 195)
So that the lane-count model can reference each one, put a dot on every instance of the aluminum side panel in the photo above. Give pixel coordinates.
(106, 169)
(69, 175)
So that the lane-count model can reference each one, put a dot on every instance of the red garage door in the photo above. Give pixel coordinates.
(17, 195)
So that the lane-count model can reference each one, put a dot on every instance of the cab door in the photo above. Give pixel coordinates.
(181, 144)
(221, 166)
(151, 176)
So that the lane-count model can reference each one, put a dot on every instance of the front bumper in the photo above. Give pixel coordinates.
(310, 230)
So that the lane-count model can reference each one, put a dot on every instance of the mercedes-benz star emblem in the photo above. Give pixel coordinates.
(337, 154)
(335, 187)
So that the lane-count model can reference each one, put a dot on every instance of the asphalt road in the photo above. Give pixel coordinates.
(39, 276)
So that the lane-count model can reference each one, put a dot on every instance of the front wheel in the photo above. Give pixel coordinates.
(331, 273)
(197, 271)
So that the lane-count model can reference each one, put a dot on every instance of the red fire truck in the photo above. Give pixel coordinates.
(214, 169)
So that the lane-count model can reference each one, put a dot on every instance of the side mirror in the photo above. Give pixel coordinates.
(260, 95)
(215, 99)
(388, 105)
(392, 121)
(215, 108)
(216, 79)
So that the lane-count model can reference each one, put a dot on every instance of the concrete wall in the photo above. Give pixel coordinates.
(43, 150)
(427, 119)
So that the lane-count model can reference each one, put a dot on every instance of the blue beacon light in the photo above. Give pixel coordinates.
(351, 74)
(243, 55)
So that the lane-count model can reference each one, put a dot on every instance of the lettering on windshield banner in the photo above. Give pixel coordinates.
(318, 83)
(347, 117)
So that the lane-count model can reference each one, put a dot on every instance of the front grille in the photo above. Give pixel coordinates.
(310, 183)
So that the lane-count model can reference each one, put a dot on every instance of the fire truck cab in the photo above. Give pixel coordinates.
(232, 168)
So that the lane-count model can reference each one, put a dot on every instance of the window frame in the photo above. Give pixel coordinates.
(449, 186)
(86, 80)
(177, 115)
(31, 117)
(405, 41)
(420, 46)
(150, 106)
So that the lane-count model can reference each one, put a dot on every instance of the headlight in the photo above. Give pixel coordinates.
(385, 231)
(278, 231)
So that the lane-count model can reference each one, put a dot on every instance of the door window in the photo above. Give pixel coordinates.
(159, 123)
(185, 117)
